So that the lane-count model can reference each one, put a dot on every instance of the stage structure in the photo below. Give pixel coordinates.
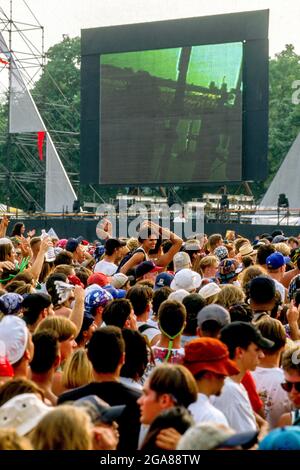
(24, 118)
(175, 102)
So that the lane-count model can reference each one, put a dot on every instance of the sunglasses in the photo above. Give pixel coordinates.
(288, 386)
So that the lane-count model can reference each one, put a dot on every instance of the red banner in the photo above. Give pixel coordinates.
(41, 137)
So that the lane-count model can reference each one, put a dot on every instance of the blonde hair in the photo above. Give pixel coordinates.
(272, 329)
(66, 269)
(10, 440)
(250, 273)
(230, 295)
(208, 261)
(64, 428)
(283, 248)
(132, 244)
(64, 327)
(77, 371)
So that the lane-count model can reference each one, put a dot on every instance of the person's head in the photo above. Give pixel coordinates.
(208, 360)
(230, 295)
(83, 274)
(286, 438)
(214, 240)
(18, 386)
(291, 368)
(87, 329)
(273, 330)
(36, 307)
(18, 229)
(77, 370)
(276, 263)
(140, 298)
(23, 412)
(74, 246)
(10, 440)
(168, 385)
(106, 350)
(163, 280)
(117, 313)
(66, 269)
(245, 344)
(66, 331)
(211, 319)
(64, 428)
(248, 274)
(35, 243)
(262, 293)
(159, 296)
(63, 257)
(136, 354)
(293, 243)
(7, 251)
(193, 303)
(171, 321)
(148, 238)
(113, 247)
(263, 252)
(186, 279)
(120, 281)
(178, 418)
(214, 436)
(239, 242)
(46, 352)
(241, 312)
(17, 342)
(209, 292)
(181, 260)
(228, 270)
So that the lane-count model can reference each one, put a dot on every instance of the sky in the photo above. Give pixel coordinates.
(61, 17)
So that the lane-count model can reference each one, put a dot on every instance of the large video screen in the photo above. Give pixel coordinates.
(175, 102)
(172, 114)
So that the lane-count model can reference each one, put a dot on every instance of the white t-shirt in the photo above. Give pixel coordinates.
(203, 411)
(275, 399)
(149, 332)
(235, 404)
(106, 267)
(281, 289)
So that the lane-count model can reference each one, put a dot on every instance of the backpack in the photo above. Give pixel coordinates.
(128, 256)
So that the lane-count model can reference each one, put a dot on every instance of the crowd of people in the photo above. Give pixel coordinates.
(149, 343)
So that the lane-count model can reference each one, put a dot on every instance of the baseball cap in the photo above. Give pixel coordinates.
(11, 303)
(221, 252)
(262, 289)
(72, 244)
(99, 410)
(23, 413)
(116, 293)
(209, 436)
(98, 297)
(186, 279)
(276, 260)
(192, 245)
(14, 336)
(287, 438)
(213, 312)
(178, 295)
(209, 289)
(163, 280)
(229, 268)
(181, 260)
(98, 278)
(209, 354)
(146, 267)
(119, 280)
(279, 239)
(246, 331)
(6, 369)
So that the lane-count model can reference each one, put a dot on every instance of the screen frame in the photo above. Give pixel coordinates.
(250, 28)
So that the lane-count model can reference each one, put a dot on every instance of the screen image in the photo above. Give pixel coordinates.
(172, 115)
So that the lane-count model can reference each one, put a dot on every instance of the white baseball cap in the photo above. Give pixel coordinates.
(23, 413)
(209, 289)
(186, 279)
(14, 336)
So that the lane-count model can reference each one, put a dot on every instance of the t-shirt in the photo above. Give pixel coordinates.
(235, 404)
(160, 354)
(106, 267)
(114, 393)
(275, 399)
(150, 332)
(203, 411)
